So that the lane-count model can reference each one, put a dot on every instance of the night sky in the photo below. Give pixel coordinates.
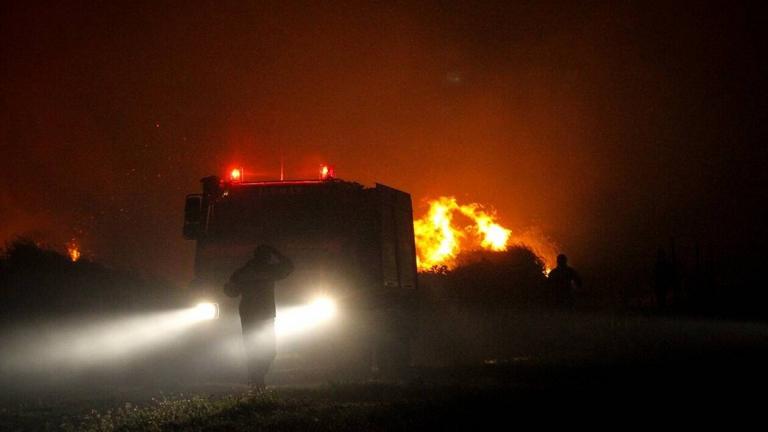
(609, 126)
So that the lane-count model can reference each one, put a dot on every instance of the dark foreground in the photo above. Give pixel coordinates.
(687, 389)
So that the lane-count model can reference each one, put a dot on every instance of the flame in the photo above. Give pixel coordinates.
(437, 242)
(535, 240)
(440, 238)
(73, 250)
(494, 236)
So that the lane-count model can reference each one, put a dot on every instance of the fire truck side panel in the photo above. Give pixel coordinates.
(398, 264)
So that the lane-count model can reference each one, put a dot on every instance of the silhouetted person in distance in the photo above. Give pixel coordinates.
(255, 282)
(664, 278)
(561, 281)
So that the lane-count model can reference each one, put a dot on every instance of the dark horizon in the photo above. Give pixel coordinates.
(613, 128)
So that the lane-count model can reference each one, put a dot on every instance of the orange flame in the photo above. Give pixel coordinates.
(73, 250)
(440, 239)
(541, 245)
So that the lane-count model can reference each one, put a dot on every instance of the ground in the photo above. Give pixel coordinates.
(687, 387)
(471, 371)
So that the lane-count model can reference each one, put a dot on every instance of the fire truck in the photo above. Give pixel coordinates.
(350, 243)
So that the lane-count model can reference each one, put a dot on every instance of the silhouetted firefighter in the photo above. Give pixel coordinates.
(561, 281)
(255, 282)
(664, 278)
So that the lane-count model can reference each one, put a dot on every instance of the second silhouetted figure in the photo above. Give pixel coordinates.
(562, 280)
(255, 282)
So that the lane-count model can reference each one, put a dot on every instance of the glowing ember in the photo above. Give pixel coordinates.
(440, 238)
(73, 250)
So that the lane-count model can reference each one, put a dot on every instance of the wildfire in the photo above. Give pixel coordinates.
(73, 250)
(438, 242)
(440, 237)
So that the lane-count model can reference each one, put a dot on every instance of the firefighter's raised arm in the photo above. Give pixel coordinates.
(284, 265)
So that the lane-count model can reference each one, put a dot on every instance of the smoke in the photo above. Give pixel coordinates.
(183, 341)
(541, 245)
(599, 123)
(19, 222)
(93, 343)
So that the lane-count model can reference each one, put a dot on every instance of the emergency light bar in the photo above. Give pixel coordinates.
(236, 175)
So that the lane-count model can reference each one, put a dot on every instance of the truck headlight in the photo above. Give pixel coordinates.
(322, 309)
(298, 319)
(206, 311)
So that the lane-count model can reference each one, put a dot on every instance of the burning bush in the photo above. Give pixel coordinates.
(515, 277)
(449, 230)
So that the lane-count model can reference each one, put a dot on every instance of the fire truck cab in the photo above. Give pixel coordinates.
(348, 242)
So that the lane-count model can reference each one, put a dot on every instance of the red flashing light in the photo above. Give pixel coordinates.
(236, 175)
(326, 172)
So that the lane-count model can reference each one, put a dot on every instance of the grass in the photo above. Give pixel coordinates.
(470, 398)
(464, 399)
(331, 407)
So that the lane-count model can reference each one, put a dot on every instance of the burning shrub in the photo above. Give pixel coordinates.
(449, 230)
(515, 277)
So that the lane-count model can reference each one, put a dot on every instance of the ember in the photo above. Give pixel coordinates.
(73, 250)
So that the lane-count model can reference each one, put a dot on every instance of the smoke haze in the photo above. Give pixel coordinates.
(610, 127)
